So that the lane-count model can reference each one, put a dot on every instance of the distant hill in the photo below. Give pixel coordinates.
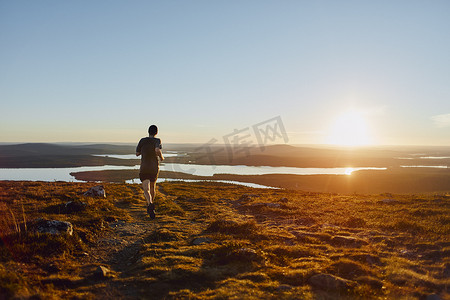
(58, 149)
(44, 155)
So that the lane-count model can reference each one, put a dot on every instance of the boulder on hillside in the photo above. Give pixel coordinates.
(74, 206)
(96, 191)
(54, 227)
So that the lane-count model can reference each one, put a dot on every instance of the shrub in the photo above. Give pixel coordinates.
(232, 227)
(354, 222)
(24, 247)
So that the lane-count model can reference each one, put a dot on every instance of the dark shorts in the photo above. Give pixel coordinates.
(148, 176)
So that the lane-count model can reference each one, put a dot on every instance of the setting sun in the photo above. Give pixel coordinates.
(349, 129)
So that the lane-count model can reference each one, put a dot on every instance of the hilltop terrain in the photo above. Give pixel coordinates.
(219, 241)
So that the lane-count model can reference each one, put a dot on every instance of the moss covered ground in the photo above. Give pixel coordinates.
(221, 241)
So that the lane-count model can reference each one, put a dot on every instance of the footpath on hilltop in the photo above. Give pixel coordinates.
(213, 240)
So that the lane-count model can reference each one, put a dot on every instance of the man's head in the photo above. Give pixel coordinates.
(153, 130)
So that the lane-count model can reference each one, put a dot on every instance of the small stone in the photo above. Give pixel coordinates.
(201, 240)
(102, 272)
(247, 251)
(284, 200)
(433, 297)
(284, 287)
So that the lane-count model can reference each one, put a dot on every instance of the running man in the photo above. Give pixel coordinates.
(150, 149)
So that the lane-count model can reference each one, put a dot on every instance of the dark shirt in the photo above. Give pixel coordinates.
(149, 160)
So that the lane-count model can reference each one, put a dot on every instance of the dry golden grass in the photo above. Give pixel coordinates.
(219, 241)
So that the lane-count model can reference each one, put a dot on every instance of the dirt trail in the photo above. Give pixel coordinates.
(119, 249)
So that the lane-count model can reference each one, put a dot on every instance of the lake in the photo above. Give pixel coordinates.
(63, 174)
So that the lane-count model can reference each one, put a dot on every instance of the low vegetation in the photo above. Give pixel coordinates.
(219, 241)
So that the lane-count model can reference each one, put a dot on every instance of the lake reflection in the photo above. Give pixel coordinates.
(210, 170)
(63, 174)
(133, 156)
(52, 174)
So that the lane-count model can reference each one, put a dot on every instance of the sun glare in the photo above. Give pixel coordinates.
(348, 171)
(349, 129)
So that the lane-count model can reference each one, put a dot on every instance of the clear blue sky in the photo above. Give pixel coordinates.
(103, 71)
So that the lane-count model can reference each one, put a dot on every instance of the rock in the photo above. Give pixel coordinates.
(284, 287)
(273, 205)
(201, 240)
(74, 206)
(102, 272)
(247, 251)
(329, 282)
(347, 241)
(284, 200)
(433, 297)
(96, 191)
(54, 227)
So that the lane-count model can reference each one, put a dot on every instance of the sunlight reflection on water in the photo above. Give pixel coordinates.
(437, 167)
(210, 170)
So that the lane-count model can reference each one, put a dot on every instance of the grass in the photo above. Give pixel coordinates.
(218, 241)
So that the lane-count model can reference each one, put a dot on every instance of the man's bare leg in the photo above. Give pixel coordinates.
(149, 193)
(146, 186)
(152, 190)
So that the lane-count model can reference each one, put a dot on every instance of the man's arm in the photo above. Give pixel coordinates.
(159, 153)
(139, 148)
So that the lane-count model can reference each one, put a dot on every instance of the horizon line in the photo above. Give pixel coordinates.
(223, 144)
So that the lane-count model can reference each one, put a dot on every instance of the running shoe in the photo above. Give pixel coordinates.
(151, 210)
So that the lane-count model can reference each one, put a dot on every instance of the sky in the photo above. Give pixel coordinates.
(329, 72)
